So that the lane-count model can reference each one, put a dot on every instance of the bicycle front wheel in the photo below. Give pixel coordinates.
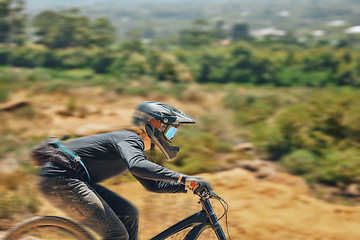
(48, 228)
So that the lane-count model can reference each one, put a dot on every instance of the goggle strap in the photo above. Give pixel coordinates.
(155, 123)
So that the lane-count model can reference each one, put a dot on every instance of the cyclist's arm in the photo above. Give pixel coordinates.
(132, 153)
(161, 186)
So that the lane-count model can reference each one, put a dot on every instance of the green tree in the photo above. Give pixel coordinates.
(213, 67)
(198, 34)
(134, 43)
(62, 29)
(12, 22)
(103, 33)
(69, 29)
(136, 65)
(170, 68)
(247, 67)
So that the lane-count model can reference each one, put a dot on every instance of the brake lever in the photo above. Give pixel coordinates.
(214, 195)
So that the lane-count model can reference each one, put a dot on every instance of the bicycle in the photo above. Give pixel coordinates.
(32, 229)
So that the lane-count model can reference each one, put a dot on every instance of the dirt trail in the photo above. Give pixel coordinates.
(258, 210)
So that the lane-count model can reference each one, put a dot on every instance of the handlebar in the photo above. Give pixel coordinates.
(207, 192)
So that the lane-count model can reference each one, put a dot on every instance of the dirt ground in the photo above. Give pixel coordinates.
(259, 209)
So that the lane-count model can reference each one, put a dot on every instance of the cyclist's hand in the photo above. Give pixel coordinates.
(197, 184)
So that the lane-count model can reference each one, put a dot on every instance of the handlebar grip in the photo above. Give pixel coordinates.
(193, 185)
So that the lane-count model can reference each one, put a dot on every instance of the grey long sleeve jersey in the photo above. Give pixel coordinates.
(115, 153)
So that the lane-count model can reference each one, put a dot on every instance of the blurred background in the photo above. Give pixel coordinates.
(274, 85)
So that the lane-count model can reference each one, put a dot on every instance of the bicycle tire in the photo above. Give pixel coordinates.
(63, 224)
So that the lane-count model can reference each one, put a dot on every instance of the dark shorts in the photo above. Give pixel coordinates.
(93, 205)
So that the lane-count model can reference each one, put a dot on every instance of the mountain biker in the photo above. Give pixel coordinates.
(98, 157)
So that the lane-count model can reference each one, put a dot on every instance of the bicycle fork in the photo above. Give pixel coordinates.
(213, 219)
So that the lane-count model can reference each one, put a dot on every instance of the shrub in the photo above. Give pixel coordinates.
(300, 162)
(293, 76)
(100, 61)
(340, 168)
(136, 65)
(197, 155)
(73, 58)
(252, 108)
(4, 55)
(170, 68)
(31, 57)
(318, 138)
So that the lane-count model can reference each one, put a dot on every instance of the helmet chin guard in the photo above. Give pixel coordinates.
(161, 122)
(169, 151)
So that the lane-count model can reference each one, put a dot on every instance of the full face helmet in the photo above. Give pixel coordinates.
(161, 122)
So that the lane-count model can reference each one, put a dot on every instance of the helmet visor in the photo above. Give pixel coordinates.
(170, 133)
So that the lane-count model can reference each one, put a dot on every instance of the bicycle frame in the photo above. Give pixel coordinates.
(200, 221)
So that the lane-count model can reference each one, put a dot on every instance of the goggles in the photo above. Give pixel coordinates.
(170, 133)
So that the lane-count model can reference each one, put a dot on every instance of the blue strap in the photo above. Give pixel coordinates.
(76, 157)
(87, 173)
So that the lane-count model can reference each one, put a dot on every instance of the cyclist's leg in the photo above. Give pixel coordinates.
(125, 210)
(78, 200)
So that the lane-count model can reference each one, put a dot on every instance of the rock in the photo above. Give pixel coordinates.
(266, 172)
(353, 190)
(14, 105)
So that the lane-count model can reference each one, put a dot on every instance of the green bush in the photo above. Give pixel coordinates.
(118, 63)
(30, 57)
(100, 61)
(171, 69)
(73, 58)
(4, 55)
(340, 168)
(136, 65)
(252, 108)
(300, 162)
(197, 155)
(317, 138)
(292, 76)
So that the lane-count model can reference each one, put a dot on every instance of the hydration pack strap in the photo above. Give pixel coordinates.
(75, 157)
